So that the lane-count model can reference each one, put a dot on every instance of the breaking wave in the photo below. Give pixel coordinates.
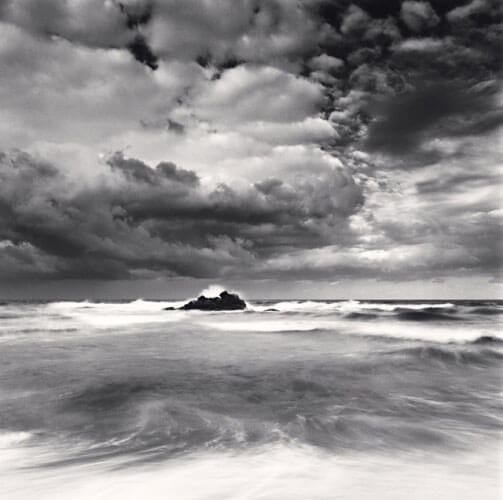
(425, 315)
(450, 356)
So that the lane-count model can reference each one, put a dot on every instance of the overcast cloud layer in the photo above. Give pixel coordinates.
(250, 139)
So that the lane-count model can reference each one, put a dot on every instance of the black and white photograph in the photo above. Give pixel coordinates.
(251, 249)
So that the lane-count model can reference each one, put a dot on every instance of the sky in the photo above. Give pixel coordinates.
(281, 148)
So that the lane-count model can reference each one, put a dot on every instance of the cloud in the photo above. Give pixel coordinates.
(310, 130)
(355, 21)
(426, 44)
(137, 218)
(137, 171)
(258, 93)
(438, 110)
(224, 33)
(142, 52)
(56, 91)
(307, 137)
(463, 12)
(418, 16)
(326, 63)
(452, 231)
(92, 23)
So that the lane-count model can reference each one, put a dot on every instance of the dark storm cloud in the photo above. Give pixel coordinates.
(142, 52)
(139, 219)
(418, 16)
(394, 50)
(137, 171)
(443, 110)
(137, 13)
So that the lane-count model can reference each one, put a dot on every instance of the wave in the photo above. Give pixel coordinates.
(10, 316)
(146, 417)
(449, 356)
(44, 330)
(428, 321)
(139, 305)
(361, 310)
(424, 315)
(106, 315)
(294, 306)
(332, 405)
(349, 309)
(360, 315)
(487, 311)
(346, 306)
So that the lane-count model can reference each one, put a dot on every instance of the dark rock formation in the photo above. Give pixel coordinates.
(225, 302)
(487, 339)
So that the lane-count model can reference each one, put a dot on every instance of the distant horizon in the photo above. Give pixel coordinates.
(113, 300)
(313, 291)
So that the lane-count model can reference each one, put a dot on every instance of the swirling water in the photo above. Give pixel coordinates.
(290, 399)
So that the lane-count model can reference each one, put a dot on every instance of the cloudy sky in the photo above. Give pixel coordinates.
(284, 148)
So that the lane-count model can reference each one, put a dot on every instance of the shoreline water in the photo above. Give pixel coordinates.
(365, 399)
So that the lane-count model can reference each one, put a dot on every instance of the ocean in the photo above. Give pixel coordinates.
(285, 400)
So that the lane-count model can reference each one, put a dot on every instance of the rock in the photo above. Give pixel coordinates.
(271, 310)
(225, 302)
(487, 339)
(169, 309)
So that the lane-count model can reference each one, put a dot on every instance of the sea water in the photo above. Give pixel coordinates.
(284, 400)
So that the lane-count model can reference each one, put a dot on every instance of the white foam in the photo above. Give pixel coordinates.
(212, 291)
(393, 307)
(85, 318)
(109, 315)
(429, 332)
(347, 306)
(139, 305)
(273, 472)
(273, 325)
(381, 327)
(9, 439)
